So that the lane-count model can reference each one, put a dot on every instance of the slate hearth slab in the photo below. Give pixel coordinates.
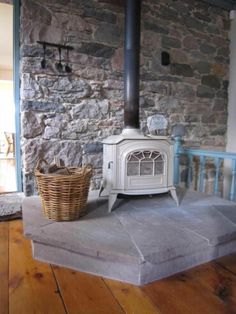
(228, 211)
(205, 221)
(153, 271)
(95, 235)
(158, 238)
(122, 271)
(144, 239)
(188, 197)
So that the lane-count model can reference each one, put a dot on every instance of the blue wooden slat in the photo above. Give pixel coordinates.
(189, 178)
(16, 74)
(207, 153)
(233, 181)
(177, 149)
(202, 173)
(217, 163)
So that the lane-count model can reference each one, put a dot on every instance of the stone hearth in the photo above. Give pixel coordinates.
(144, 239)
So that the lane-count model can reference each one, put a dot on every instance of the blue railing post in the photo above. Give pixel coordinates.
(232, 188)
(217, 163)
(202, 173)
(190, 171)
(16, 75)
(177, 149)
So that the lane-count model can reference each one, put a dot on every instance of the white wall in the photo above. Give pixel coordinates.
(231, 132)
(6, 36)
(6, 75)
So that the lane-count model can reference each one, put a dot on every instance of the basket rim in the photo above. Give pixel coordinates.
(85, 170)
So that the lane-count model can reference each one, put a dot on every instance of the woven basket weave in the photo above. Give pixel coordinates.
(63, 197)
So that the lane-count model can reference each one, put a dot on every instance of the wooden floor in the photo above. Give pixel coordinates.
(28, 286)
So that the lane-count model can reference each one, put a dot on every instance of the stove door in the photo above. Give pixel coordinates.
(145, 169)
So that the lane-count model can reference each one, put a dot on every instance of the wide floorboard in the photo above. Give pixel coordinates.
(28, 286)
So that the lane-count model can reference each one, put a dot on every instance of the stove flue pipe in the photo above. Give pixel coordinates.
(131, 67)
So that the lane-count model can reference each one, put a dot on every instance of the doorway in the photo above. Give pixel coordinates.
(8, 133)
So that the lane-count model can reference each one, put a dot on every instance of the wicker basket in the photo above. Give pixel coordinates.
(63, 197)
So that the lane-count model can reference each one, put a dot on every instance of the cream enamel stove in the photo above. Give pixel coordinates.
(137, 164)
(134, 163)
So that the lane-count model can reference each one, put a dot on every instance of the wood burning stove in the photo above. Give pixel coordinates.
(134, 163)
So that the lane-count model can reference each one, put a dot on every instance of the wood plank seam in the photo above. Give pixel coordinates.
(31, 283)
(117, 301)
(59, 290)
(225, 268)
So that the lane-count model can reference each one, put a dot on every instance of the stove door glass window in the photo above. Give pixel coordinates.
(145, 163)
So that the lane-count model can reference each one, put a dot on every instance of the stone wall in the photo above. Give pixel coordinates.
(68, 115)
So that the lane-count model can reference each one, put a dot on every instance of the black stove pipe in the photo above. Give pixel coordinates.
(131, 68)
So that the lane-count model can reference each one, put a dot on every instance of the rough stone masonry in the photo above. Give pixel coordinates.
(68, 115)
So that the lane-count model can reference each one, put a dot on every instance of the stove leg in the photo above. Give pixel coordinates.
(111, 201)
(174, 196)
(101, 188)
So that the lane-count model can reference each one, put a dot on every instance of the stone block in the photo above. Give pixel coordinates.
(193, 23)
(183, 90)
(155, 27)
(90, 109)
(223, 51)
(212, 29)
(205, 92)
(156, 122)
(91, 148)
(203, 67)
(41, 106)
(203, 17)
(211, 81)
(51, 132)
(117, 60)
(181, 69)
(92, 159)
(222, 94)
(67, 150)
(190, 42)
(207, 49)
(32, 124)
(100, 14)
(96, 50)
(167, 13)
(171, 42)
(108, 34)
